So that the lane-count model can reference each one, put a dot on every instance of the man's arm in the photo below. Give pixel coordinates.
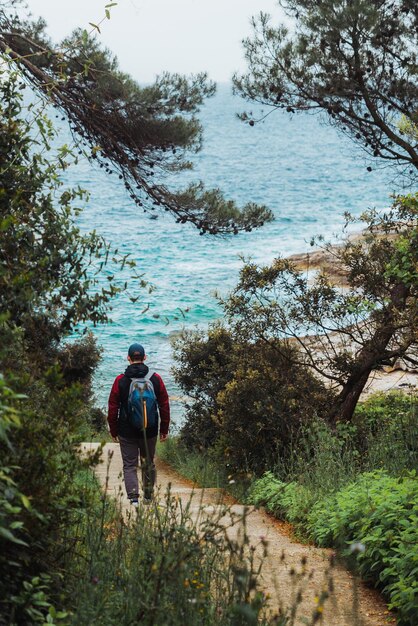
(163, 406)
(113, 408)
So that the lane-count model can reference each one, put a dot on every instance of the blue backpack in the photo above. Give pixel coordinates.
(142, 403)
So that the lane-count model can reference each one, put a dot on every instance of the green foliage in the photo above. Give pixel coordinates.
(247, 398)
(41, 460)
(386, 432)
(49, 276)
(12, 501)
(264, 404)
(381, 513)
(24, 598)
(292, 501)
(48, 269)
(354, 61)
(334, 490)
(403, 263)
(32, 605)
(205, 365)
(78, 360)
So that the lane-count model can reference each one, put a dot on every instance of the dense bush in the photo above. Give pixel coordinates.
(334, 490)
(205, 365)
(39, 460)
(378, 513)
(48, 284)
(373, 520)
(248, 399)
(24, 584)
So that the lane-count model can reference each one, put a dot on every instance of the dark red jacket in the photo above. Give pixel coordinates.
(117, 416)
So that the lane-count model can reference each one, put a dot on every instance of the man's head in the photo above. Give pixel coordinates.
(136, 353)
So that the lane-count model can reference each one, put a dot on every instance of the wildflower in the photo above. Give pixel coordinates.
(357, 547)
(232, 482)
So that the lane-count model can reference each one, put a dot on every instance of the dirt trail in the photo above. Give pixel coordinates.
(278, 575)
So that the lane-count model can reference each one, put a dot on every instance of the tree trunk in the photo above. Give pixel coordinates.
(371, 355)
(349, 396)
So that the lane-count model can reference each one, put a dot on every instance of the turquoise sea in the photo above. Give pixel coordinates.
(298, 166)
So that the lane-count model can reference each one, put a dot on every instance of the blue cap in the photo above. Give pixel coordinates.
(136, 352)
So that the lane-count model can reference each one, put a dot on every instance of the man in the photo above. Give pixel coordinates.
(133, 440)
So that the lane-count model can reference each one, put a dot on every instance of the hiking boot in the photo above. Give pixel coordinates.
(134, 502)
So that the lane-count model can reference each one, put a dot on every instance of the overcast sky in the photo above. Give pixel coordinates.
(150, 36)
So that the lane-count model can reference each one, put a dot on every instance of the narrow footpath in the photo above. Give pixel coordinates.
(288, 566)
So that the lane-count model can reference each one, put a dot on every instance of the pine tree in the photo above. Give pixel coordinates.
(138, 134)
(354, 60)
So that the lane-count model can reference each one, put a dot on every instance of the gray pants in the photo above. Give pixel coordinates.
(130, 450)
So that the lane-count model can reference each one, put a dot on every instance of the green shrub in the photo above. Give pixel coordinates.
(373, 521)
(25, 599)
(320, 457)
(379, 512)
(291, 501)
(387, 431)
(205, 365)
(247, 400)
(383, 435)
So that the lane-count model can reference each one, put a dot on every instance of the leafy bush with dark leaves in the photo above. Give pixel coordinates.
(247, 399)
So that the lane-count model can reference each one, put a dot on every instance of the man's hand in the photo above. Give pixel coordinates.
(115, 439)
(163, 437)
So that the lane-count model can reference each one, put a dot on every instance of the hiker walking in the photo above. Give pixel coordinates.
(138, 401)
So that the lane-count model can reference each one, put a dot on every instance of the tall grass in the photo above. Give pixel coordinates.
(168, 564)
(201, 467)
(383, 435)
